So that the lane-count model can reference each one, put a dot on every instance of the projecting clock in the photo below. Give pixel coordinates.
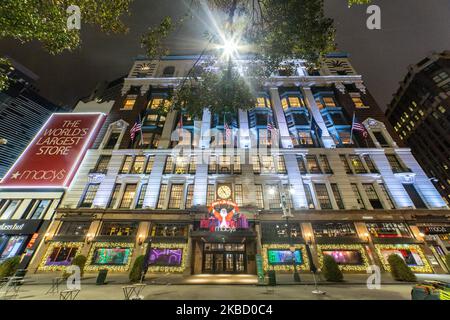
(224, 192)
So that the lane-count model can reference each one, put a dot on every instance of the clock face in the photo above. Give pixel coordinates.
(224, 192)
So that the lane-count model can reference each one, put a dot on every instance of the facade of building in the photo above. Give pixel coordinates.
(22, 113)
(420, 114)
(192, 206)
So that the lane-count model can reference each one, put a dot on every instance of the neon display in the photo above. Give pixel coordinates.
(277, 257)
(165, 257)
(52, 157)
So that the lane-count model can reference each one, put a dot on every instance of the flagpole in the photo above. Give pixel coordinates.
(351, 129)
(142, 134)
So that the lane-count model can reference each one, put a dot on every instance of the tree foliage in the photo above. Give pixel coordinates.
(399, 269)
(5, 68)
(9, 267)
(331, 270)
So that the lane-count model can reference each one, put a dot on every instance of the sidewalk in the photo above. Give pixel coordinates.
(243, 279)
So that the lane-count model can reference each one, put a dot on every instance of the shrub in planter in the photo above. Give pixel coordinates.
(80, 261)
(9, 267)
(331, 270)
(447, 261)
(399, 270)
(136, 270)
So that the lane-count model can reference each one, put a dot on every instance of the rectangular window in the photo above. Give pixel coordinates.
(312, 164)
(141, 198)
(237, 165)
(325, 164)
(357, 164)
(256, 165)
(176, 196)
(189, 196)
(309, 196)
(388, 230)
(89, 195)
(301, 165)
(387, 196)
(281, 164)
(112, 140)
(129, 104)
(358, 196)
(212, 165)
(305, 138)
(259, 196)
(273, 196)
(372, 195)
(138, 165)
(162, 196)
(126, 166)
(329, 102)
(267, 164)
(370, 164)
(381, 139)
(210, 194)
(181, 165)
(128, 196)
(238, 194)
(168, 168)
(358, 102)
(114, 195)
(10, 209)
(224, 164)
(102, 163)
(125, 229)
(337, 196)
(322, 196)
(41, 209)
(150, 162)
(74, 228)
(192, 164)
(344, 161)
(395, 163)
(415, 196)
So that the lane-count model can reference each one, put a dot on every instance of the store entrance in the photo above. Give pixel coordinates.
(224, 258)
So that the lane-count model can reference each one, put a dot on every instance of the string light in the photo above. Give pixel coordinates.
(426, 268)
(43, 265)
(304, 266)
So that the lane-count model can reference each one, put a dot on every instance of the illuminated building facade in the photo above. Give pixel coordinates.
(357, 199)
(420, 114)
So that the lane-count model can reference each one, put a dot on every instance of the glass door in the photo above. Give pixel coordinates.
(218, 262)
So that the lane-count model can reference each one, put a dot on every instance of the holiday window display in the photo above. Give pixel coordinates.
(110, 255)
(349, 257)
(279, 257)
(412, 254)
(167, 257)
(59, 255)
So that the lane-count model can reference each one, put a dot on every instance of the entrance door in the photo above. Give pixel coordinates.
(224, 258)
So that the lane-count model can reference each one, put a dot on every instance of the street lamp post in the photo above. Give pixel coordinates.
(287, 214)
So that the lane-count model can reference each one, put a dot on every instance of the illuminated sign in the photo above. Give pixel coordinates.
(55, 153)
(224, 216)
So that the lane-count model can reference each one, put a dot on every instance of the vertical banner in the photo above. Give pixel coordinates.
(53, 156)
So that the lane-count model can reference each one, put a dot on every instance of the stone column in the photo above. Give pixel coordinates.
(296, 181)
(154, 182)
(327, 140)
(286, 141)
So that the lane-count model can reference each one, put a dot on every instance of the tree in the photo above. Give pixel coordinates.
(9, 267)
(5, 68)
(80, 261)
(399, 269)
(137, 269)
(272, 32)
(331, 270)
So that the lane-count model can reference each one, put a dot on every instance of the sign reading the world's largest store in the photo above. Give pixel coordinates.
(53, 156)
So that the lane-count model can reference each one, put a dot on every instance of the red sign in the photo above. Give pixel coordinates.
(55, 153)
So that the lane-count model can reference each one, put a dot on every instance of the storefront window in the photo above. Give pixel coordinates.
(334, 230)
(388, 230)
(119, 229)
(10, 209)
(284, 256)
(165, 257)
(13, 247)
(61, 256)
(169, 230)
(41, 209)
(111, 256)
(281, 231)
(74, 228)
(345, 257)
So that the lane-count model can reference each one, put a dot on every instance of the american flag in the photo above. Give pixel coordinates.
(357, 126)
(135, 128)
(227, 131)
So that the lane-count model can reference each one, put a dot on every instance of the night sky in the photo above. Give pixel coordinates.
(411, 29)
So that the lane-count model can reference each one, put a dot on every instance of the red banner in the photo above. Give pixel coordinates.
(53, 156)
